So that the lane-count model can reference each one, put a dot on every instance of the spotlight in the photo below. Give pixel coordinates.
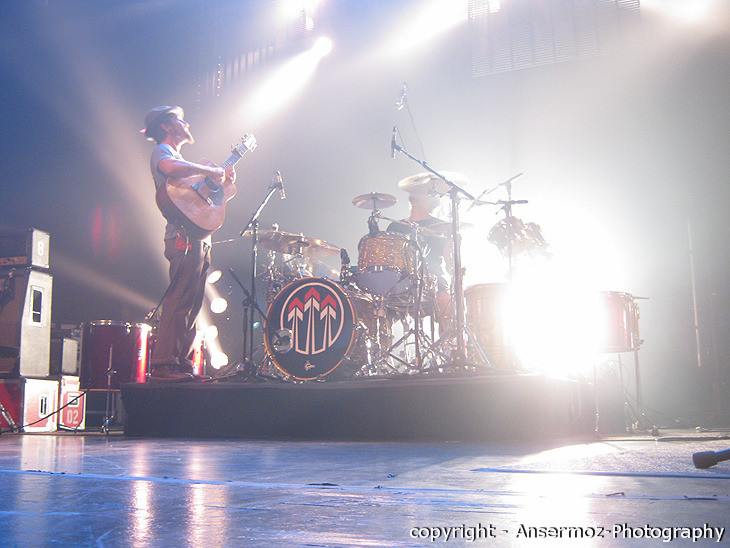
(284, 83)
(433, 19)
(214, 276)
(210, 333)
(322, 47)
(218, 305)
(218, 359)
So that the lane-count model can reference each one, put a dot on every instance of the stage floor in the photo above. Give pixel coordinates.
(94, 490)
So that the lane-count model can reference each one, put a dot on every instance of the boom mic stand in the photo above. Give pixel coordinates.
(454, 192)
(252, 228)
(249, 303)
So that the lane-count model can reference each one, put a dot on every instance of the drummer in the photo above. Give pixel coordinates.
(435, 247)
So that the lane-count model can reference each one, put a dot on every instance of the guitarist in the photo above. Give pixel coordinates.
(189, 257)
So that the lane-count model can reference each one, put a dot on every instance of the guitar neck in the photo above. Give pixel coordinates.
(232, 160)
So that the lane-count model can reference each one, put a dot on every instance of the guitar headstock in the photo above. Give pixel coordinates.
(248, 144)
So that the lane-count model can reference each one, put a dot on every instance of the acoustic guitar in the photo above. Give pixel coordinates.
(198, 202)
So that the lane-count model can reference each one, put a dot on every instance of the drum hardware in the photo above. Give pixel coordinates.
(509, 234)
(322, 322)
(431, 183)
(247, 367)
(434, 182)
(110, 372)
(281, 341)
(297, 244)
(485, 307)
(478, 200)
(410, 302)
(621, 315)
(374, 201)
(113, 353)
(250, 306)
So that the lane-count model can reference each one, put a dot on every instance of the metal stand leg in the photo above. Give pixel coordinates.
(11, 423)
(110, 407)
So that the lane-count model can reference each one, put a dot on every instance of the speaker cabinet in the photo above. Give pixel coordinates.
(25, 323)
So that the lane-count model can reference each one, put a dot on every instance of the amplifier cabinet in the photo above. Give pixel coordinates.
(73, 416)
(25, 323)
(29, 247)
(64, 356)
(29, 403)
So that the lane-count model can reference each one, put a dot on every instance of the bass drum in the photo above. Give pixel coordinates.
(311, 327)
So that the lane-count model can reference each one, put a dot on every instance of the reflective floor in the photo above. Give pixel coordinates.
(93, 490)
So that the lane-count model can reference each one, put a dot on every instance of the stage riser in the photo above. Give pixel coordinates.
(482, 408)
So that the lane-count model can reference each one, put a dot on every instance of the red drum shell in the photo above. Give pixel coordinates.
(620, 322)
(126, 342)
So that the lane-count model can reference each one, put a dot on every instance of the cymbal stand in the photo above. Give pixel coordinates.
(420, 337)
(507, 208)
(454, 192)
(252, 228)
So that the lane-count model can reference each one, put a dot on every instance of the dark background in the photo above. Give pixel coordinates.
(621, 153)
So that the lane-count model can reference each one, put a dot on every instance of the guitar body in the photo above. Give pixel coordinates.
(198, 203)
(195, 202)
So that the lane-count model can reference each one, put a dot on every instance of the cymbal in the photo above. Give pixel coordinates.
(444, 227)
(423, 183)
(374, 200)
(296, 244)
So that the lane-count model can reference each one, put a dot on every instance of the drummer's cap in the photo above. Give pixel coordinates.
(154, 120)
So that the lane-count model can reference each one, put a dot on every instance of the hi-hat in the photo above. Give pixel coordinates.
(374, 200)
(296, 244)
(444, 227)
(425, 183)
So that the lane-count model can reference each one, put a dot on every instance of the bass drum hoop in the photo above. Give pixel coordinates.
(275, 303)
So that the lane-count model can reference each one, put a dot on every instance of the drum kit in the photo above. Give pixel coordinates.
(380, 316)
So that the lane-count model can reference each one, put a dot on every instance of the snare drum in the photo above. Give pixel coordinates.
(386, 263)
(119, 346)
(310, 328)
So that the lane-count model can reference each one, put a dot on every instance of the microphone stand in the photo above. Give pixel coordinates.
(454, 191)
(252, 227)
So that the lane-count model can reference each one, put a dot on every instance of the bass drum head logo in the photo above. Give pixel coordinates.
(320, 318)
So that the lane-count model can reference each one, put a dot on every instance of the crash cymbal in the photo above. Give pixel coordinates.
(424, 183)
(296, 244)
(374, 200)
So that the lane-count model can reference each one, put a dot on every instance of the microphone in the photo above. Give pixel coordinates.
(393, 144)
(280, 185)
(705, 459)
(401, 102)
